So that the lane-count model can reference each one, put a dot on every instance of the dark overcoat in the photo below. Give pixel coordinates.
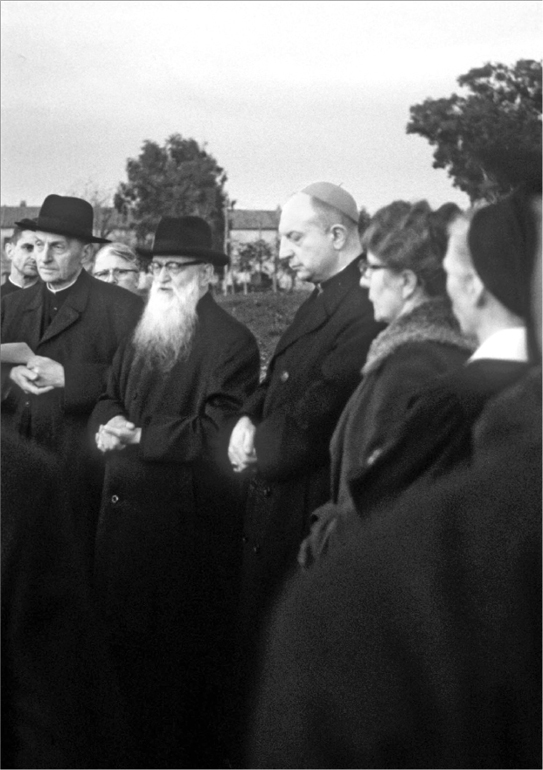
(83, 337)
(168, 549)
(315, 368)
(419, 644)
(436, 436)
(415, 349)
(60, 702)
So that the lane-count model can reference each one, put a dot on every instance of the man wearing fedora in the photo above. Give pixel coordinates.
(72, 324)
(169, 534)
(20, 253)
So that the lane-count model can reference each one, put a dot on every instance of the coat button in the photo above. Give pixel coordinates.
(284, 376)
(115, 499)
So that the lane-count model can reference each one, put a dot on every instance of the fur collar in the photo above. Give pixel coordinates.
(433, 321)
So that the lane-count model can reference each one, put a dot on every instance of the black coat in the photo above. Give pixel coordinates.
(60, 703)
(436, 436)
(414, 350)
(315, 368)
(83, 337)
(419, 644)
(168, 549)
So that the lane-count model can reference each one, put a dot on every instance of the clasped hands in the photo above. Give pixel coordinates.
(241, 450)
(39, 375)
(117, 434)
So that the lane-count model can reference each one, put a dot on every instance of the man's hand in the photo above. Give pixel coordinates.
(241, 450)
(27, 380)
(117, 434)
(50, 374)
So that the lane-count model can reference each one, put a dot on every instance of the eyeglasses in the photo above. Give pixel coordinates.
(366, 269)
(116, 272)
(172, 268)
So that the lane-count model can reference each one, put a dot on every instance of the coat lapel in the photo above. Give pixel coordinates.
(31, 317)
(71, 310)
(318, 308)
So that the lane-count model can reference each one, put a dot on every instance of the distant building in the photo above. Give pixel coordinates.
(246, 225)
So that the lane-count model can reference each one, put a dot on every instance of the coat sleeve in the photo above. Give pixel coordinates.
(110, 403)
(407, 371)
(433, 439)
(172, 438)
(85, 380)
(295, 437)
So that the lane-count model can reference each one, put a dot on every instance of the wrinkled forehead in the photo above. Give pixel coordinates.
(26, 236)
(44, 237)
(108, 259)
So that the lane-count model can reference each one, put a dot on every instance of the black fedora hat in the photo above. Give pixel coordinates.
(26, 224)
(184, 237)
(63, 215)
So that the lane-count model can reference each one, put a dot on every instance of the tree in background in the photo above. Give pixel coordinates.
(501, 113)
(179, 179)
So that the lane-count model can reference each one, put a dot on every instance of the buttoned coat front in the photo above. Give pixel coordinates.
(83, 337)
(168, 548)
(315, 368)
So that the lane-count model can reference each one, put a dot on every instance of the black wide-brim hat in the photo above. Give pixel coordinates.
(63, 215)
(184, 237)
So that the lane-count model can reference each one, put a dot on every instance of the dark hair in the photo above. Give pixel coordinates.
(410, 236)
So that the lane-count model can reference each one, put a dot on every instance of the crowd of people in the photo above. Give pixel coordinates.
(336, 566)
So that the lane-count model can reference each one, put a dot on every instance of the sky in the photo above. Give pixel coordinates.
(282, 93)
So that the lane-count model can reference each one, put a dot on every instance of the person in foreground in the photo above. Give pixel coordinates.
(72, 324)
(406, 245)
(169, 534)
(61, 706)
(418, 645)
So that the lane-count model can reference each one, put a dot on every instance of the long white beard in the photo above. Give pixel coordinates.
(165, 332)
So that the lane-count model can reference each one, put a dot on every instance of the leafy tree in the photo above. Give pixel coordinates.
(500, 114)
(179, 179)
(253, 254)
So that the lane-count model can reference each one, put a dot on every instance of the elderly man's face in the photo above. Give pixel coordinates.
(171, 273)
(115, 269)
(59, 258)
(22, 254)
(304, 241)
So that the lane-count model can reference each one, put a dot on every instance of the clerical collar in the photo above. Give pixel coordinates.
(18, 285)
(56, 291)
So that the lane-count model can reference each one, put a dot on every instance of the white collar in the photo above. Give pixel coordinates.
(504, 345)
(55, 291)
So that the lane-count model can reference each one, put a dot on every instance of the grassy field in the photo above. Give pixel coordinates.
(266, 314)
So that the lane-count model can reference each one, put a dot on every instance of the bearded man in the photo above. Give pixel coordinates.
(170, 527)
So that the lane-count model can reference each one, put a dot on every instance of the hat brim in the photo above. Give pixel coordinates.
(58, 227)
(206, 255)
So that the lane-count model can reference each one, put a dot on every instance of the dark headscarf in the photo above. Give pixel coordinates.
(502, 241)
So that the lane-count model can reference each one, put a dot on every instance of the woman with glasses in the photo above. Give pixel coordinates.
(117, 263)
(405, 244)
